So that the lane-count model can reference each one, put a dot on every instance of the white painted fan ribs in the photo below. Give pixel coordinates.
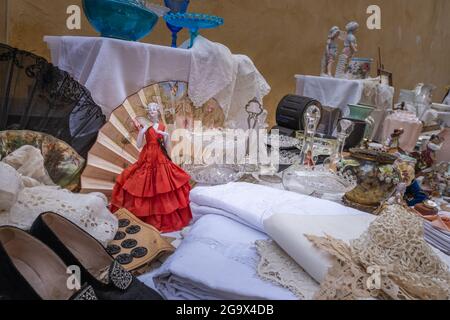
(115, 149)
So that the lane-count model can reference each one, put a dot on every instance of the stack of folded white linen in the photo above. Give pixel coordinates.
(218, 258)
(286, 217)
(252, 204)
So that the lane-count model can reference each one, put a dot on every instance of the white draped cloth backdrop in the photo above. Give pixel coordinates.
(114, 69)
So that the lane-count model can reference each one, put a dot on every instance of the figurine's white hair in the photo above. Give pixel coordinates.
(153, 105)
(333, 32)
(352, 26)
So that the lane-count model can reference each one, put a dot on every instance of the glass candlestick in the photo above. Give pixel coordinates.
(311, 119)
(344, 130)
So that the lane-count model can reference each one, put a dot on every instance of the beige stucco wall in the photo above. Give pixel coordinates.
(3, 20)
(286, 37)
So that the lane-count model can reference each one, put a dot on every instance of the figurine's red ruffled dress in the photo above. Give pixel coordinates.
(155, 189)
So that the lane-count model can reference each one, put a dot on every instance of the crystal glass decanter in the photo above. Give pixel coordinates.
(312, 119)
(344, 130)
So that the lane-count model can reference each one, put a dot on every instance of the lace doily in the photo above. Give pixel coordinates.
(37, 194)
(88, 211)
(277, 267)
(391, 260)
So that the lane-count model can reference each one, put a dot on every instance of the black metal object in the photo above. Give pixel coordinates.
(290, 114)
(37, 96)
(290, 111)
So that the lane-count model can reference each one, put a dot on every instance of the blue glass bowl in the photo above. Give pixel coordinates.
(120, 19)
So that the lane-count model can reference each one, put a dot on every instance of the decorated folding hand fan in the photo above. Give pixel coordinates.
(37, 96)
(116, 145)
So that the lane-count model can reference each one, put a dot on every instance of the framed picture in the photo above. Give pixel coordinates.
(386, 77)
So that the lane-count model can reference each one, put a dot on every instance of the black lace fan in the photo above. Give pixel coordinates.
(37, 96)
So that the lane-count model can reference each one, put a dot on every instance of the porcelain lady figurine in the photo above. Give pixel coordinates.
(330, 54)
(154, 189)
(350, 43)
(393, 142)
(350, 48)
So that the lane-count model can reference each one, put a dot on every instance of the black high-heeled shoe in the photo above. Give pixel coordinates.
(76, 247)
(29, 270)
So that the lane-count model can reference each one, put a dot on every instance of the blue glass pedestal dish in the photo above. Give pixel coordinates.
(176, 6)
(120, 19)
(194, 22)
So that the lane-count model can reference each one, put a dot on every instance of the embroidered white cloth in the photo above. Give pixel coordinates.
(252, 204)
(216, 260)
(114, 69)
(331, 92)
(232, 79)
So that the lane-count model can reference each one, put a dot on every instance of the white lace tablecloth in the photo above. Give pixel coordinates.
(114, 69)
(339, 93)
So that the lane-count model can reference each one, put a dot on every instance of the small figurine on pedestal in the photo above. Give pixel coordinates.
(331, 50)
(393, 142)
(154, 189)
(350, 48)
(309, 160)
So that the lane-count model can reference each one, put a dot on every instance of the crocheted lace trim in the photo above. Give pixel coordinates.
(391, 260)
(279, 268)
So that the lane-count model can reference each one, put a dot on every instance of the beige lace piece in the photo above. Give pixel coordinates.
(279, 268)
(392, 250)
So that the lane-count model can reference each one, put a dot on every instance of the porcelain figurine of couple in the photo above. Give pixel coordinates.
(154, 188)
(331, 49)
